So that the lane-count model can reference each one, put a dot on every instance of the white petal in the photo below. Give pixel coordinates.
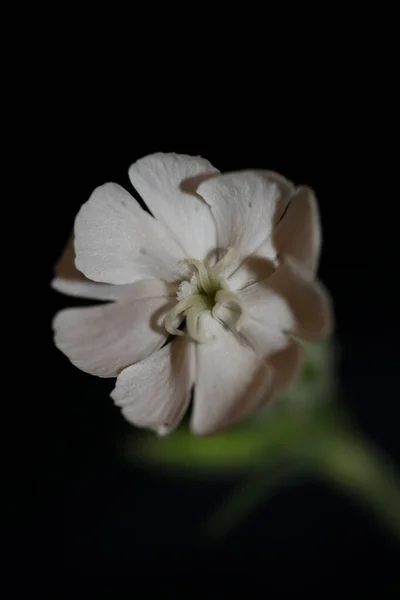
(102, 340)
(263, 260)
(158, 179)
(259, 265)
(267, 319)
(265, 339)
(288, 302)
(118, 242)
(298, 234)
(230, 380)
(91, 290)
(246, 205)
(286, 186)
(286, 367)
(72, 282)
(155, 392)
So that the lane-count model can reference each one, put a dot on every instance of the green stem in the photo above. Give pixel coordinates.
(327, 447)
(350, 463)
(245, 498)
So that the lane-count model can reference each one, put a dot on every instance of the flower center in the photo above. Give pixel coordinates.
(207, 290)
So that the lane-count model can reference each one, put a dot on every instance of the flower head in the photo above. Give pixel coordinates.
(204, 295)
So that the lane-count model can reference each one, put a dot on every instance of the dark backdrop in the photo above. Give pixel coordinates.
(88, 514)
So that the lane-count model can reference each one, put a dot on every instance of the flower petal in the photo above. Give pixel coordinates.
(265, 339)
(287, 301)
(91, 290)
(102, 340)
(298, 234)
(246, 205)
(118, 242)
(263, 260)
(230, 380)
(286, 367)
(257, 266)
(158, 179)
(72, 282)
(155, 392)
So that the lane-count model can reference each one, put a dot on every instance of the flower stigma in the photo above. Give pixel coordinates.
(206, 290)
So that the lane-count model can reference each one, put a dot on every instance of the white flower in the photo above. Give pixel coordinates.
(224, 271)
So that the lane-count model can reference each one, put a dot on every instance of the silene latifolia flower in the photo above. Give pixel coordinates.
(204, 296)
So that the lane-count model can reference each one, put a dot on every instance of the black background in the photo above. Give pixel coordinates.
(79, 511)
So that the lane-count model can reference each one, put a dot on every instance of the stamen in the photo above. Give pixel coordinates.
(179, 309)
(192, 322)
(236, 304)
(225, 260)
(202, 271)
(211, 291)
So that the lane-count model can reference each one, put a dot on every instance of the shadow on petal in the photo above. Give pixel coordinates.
(190, 184)
(298, 233)
(309, 301)
(286, 366)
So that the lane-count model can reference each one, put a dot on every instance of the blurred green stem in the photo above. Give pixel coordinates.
(323, 446)
(245, 498)
(344, 458)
